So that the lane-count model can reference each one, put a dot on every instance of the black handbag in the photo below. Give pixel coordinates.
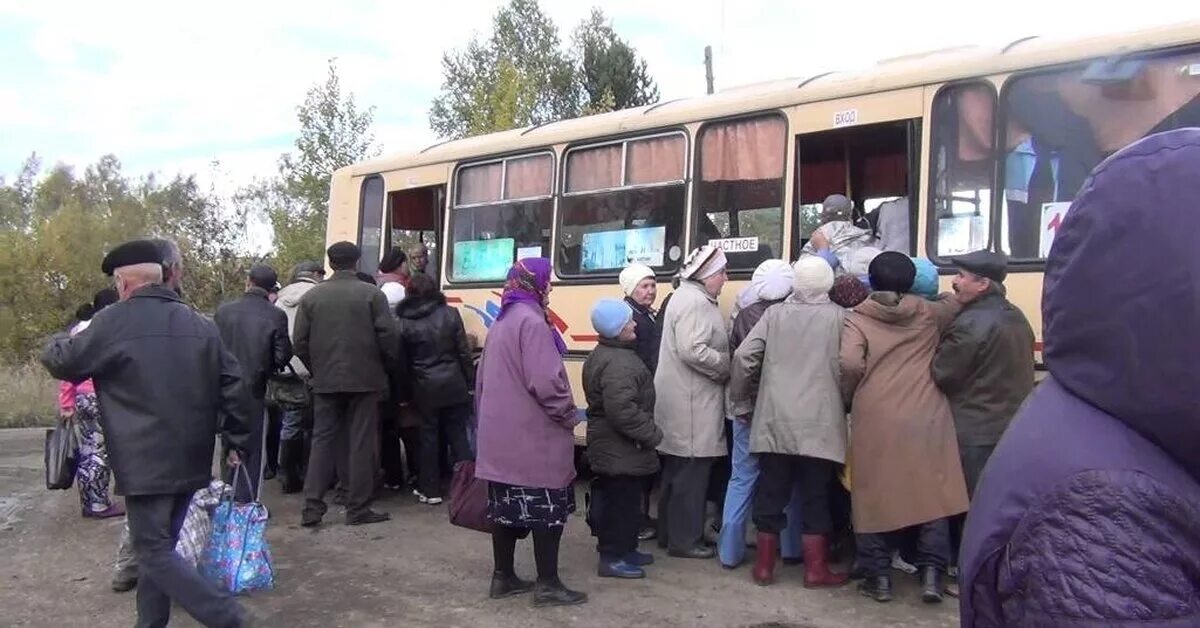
(60, 456)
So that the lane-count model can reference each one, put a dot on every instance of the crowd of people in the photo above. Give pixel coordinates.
(856, 409)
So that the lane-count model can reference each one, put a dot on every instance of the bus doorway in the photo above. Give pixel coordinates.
(875, 166)
(415, 216)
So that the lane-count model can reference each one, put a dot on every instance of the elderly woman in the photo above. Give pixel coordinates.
(526, 445)
(797, 432)
(640, 286)
(770, 284)
(693, 367)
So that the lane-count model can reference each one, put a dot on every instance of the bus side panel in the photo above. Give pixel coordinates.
(343, 208)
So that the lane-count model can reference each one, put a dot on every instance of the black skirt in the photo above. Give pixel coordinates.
(525, 507)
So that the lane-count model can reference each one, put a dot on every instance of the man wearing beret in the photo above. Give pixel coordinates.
(166, 387)
(984, 362)
(256, 332)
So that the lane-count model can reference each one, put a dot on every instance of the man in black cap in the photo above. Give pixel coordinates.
(984, 362)
(346, 337)
(256, 332)
(166, 387)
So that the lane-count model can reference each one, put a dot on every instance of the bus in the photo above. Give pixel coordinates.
(983, 148)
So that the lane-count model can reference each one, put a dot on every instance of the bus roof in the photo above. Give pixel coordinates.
(926, 68)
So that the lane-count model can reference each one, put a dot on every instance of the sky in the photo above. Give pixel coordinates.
(172, 87)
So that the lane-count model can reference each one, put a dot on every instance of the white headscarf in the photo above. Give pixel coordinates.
(632, 275)
(813, 279)
(771, 281)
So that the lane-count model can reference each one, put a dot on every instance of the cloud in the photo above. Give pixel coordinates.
(164, 85)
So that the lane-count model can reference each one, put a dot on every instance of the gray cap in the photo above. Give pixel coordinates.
(988, 264)
(836, 207)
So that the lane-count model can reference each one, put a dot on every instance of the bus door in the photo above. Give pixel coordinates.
(415, 216)
(876, 166)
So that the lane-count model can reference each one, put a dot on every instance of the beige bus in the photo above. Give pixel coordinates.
(983, 148)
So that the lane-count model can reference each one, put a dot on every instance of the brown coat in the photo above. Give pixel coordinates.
(903, 448)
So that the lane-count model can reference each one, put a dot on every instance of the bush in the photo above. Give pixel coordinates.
(28, 396)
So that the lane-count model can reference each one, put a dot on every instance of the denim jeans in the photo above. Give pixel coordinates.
(731, 547)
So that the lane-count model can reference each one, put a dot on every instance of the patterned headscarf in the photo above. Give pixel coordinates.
(848, 291)
(529, 282)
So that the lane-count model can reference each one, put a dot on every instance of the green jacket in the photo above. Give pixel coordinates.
(345, 336)
(621, 432)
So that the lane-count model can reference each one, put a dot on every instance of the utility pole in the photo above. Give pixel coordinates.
(708, 75)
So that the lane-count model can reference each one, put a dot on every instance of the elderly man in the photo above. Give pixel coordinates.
(291, 387)
(418, 259)
(984, 363)
(257, 333)
(166, 386)
(346, 336)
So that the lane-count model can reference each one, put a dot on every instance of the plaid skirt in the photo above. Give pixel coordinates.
(525, 507)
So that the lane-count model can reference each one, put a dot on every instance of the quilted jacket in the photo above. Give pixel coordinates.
(1088, 513)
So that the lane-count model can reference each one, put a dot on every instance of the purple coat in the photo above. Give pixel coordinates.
(1088, 513)
(524, 404)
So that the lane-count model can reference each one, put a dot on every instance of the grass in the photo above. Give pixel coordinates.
(28, 396)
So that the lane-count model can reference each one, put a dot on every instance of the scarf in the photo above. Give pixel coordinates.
(529, 282)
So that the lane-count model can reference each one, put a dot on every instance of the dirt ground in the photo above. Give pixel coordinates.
(415, 570)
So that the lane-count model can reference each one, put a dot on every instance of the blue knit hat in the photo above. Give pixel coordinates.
(609, 316)
(926, 282)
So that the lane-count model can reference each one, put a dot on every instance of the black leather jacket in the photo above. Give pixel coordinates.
(440, 368)
(256, 332)
(167, 387)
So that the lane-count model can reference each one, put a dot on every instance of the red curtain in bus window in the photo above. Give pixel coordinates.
(819, 179)
(884, 175)
(745, 150)
(594, 168)
(529, 177)
(654, 160)
(479, 184)
(413, 209)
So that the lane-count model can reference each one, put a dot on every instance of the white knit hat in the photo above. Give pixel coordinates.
(703, 263)
(632, 276)
(813, 280)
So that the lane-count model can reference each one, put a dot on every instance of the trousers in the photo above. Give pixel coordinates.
(781, 472)
(345, 440)
(441, 427)
(731, 546)
(681, 501)
(933, 547)
(91, 471)
(617, 521)
(165, 577)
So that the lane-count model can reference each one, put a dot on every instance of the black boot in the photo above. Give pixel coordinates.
(289, 463)
(878, 588)
(555, 593)
(931, 585)
(508, 585)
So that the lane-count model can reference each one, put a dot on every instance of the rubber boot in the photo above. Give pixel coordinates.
(931, 585)
(767, 550)
(816, 563)
(290, 465)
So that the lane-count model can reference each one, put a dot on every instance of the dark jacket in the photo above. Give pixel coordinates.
(984, 364)
(745, 321)
(1087, 512)
(166, 387)
(621, 432)
(345, 336)
(440, 367)
(256, 332)
(649, 334)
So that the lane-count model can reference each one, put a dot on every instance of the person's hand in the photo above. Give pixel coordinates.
(818, 240)
(233, 458)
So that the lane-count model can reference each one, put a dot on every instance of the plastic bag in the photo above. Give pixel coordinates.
(237, 558)
(468, 499)
(197, 524)
(61, 443)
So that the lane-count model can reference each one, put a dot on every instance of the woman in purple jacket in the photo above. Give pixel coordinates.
(526, 441)
(1087, 514)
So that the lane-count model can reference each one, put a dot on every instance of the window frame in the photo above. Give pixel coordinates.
(362, 210)
(693, 226)
(453, 207)
(582, 278)
(931, 218)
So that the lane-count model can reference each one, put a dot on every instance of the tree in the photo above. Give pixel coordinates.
(518, 77)
(612, 74)
(334, 132)
(16, 200)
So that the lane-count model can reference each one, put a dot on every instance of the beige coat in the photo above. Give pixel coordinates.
(790, 359)
(903, 449)
(693, 366)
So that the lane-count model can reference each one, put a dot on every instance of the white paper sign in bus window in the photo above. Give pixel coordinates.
(737, 245)
(1053, 215)
(610, 250)
(848, 117)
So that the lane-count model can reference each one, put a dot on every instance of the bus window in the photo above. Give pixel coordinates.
(370, 224)
(623, 203)
(1060, 125)
(414, 218)
(740, 193)
(502, 212)
(962, 165)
